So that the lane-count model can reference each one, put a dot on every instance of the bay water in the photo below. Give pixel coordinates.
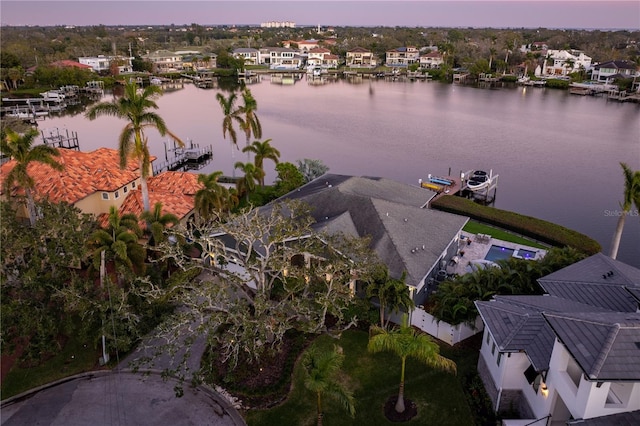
(557, 154)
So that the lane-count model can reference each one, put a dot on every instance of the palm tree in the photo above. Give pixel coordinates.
(631, 197)
(320, 369)
(262, 151)
(229, 113)
(20, 148)
(158, 222)
(212, 196)
(135, 107)
(392, 294)
(247, 183)
(407, 342)
(120, 242)
(246, 116)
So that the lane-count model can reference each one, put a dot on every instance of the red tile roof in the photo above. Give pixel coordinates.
(84, 174)
(66, 63)
(175, 190)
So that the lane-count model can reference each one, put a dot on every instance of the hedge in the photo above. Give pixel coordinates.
(538, 229)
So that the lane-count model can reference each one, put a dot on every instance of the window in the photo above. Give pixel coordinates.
(493, 349)
(133, 184)
(488, 337)
(499, 357)
(116, 195)
(125, 189)
(105, 195)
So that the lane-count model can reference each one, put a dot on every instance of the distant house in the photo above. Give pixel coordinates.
(164, 61)
(321, 57)
(282, 58)
(402, 56)
(199, 61)
(66, 63)
(571, 355)
(250, 56)
(103, 64)
(406, 235)
(360, 57)
(307, 45)
(562, 62)
(606, 72)
(431, 60)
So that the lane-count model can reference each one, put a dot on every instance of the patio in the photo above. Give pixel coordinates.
(477, 246)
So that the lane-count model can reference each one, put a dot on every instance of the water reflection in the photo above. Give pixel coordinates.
(557, 154)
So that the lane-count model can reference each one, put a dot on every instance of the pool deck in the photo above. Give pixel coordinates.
(479, 248)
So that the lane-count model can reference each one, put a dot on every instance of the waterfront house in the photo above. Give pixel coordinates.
(282, 58)
(94, 182)
(563, 62)
(431, 60)
(107, 64)
(68, 63)
(406, 234)
(360, 57)
(571, 355)
(164, 61)
(321, 57)
(402, 56)
(199, 62)
(251, 56)
(607, 72)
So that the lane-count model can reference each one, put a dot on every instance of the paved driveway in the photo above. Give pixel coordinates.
(118, 398)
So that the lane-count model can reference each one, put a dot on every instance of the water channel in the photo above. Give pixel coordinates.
(557, 154)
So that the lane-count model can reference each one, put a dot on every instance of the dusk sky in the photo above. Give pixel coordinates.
(426, 13)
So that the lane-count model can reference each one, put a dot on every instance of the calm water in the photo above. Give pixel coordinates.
(557, 154)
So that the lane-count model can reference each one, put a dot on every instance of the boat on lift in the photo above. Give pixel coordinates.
(478, 180)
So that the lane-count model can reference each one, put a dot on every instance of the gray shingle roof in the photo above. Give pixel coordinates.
(406, 236)
(631, 418)
(605, 345)
(597, 280)
(597, 269)
(516, 323)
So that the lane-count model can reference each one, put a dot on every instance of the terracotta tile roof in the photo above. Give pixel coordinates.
(175, 190)
(66, 63)
(84, 174)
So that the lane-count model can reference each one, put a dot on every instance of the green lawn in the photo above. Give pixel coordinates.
(75, 357)
(373, 378)
(474, 227)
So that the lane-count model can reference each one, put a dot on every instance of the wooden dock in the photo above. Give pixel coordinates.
(55, 139)
(191, 158)
(457, 185)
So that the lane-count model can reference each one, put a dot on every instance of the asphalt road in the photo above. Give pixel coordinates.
(118, 398)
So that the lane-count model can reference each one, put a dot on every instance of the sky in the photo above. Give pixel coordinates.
(577, 14)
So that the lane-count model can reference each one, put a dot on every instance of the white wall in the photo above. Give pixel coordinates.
(448, 333)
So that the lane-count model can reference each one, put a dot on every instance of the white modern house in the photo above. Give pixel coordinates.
(281, 58)
(251, 56)
(102, 63)
(562, 62)
(571, 356)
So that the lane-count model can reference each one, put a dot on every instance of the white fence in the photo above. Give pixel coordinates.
(441, 330)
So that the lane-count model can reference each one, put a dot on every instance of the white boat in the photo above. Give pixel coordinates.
(478, 180)
(53, 96)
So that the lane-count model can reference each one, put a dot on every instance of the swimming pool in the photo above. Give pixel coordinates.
(498, 253)
(525, 254)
